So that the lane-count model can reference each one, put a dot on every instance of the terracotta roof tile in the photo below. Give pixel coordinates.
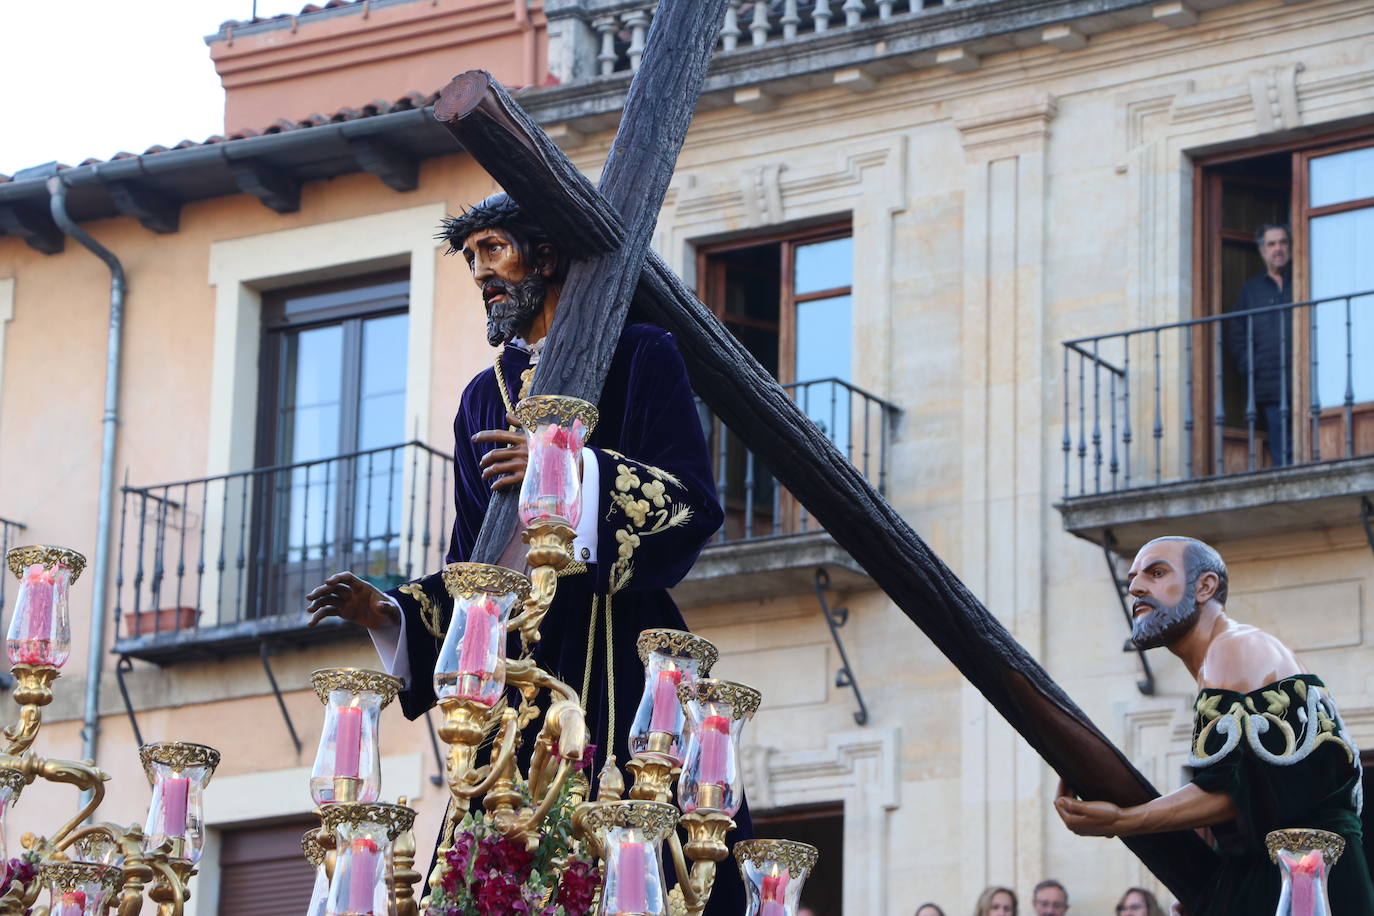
(304, 11)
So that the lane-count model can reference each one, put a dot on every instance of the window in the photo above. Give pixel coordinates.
(262, 872)
(823, 828)
(788, 299)
(1325, 378)
(332, 409)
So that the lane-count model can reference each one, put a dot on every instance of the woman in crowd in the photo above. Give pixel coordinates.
(1139, 902)
(996, 901)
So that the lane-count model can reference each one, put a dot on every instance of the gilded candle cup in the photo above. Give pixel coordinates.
(472, 659)
(1305, 857)
(80, 888)
(315, 855)
(774, 873)
(178, 772)
(671, 658)
(556, 429)
(631, 835)
(363, 868)
(40, 632)
(348, 761)
(716, 713)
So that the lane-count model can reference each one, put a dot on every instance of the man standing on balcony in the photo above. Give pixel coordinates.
(649, 500)
(1269, 750)
(1261, 346)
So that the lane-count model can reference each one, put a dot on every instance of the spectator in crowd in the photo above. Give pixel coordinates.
(1050, 898)
(1261, 346)
(1139, 902)
(929, 909)
(996, 901)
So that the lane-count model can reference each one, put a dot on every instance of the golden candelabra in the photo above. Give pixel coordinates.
(89, 868)
(685, 734)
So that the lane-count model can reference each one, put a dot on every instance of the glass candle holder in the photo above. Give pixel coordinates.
(80, 888)
(774, 873)
(630, 835)
(671, 658)
(315, 855)
(557, 428)
(472, 660)
(40, 632)
(1305, 857)
(348, 764)
(363, 838)
(179, 772)
(716, 713)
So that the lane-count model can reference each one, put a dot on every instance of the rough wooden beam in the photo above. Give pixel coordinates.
(156, 212)
(397, 170)
(756, 407)
(596, 294)
(276, 189)
(34, 226)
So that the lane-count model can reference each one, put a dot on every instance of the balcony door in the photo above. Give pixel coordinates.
(333, 407)
(788, 299)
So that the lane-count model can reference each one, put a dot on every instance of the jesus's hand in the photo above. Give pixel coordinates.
(508, 461)
(1086, 818)
(345, 595)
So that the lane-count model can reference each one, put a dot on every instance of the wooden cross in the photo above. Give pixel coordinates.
(606, 231)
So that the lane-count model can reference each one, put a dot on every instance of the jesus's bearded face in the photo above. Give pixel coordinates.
(513, 291)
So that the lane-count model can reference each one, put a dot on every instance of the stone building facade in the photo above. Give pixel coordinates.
(922, 202)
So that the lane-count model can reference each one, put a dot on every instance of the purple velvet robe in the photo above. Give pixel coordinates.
(657, 509)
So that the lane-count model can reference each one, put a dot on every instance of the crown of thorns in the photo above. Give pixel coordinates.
(496, 212)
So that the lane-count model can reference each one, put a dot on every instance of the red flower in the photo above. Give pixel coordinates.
(500, 895)
(577, 887)
(505, 857)
(457, 860)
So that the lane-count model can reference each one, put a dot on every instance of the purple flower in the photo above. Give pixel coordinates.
(500, 895)
(505, 857)
(577, 887)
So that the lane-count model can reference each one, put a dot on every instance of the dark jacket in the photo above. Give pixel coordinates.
(1268, 336)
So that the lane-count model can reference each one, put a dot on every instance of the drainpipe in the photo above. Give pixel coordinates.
(100, 568)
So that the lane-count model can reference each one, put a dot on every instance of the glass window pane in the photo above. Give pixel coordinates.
(1341, 244)
(823, 352)
(313, 399)
(824, 265)
(381, 423)
(1342, 176)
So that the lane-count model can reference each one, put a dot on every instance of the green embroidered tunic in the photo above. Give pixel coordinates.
(1283, 755)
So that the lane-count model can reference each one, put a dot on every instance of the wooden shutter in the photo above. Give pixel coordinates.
(263, 873)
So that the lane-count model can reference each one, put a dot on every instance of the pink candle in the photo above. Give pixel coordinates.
(774, 895)
(715, 750)
(630, 896)
(362, 879)
(472, 658)
(348, 741)
(666, 705)
(175, 791)
(73, 903)
(36, 630)
(1305, 873)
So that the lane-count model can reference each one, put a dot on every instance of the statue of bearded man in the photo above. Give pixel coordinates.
(1269, 749)
(649, 500)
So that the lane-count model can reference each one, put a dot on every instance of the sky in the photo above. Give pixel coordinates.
(90, 78)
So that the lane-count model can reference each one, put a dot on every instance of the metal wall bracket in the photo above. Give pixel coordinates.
(265, 653)
(836, 618)
(1147, 684)
(123, 667)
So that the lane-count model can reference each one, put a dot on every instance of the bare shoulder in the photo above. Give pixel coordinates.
(1246, 658)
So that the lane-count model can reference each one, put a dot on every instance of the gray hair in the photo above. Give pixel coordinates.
(1263, 230)
(1199, 558)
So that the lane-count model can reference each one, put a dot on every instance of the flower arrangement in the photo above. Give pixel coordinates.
(487, 874)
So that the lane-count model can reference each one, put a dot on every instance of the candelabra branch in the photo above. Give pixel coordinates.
(550, 539)
(171, 876)
(405, 873)
(32, 691)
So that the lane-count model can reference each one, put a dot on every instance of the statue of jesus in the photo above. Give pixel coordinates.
(1269, 750)
(649, 501)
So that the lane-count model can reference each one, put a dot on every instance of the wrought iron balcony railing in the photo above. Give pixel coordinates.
(1219, 395)
(233, 555)
(858, 423)
(617, 29)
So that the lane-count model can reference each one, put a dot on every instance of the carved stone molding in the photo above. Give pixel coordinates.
(1004, 133)
(1274, 93)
